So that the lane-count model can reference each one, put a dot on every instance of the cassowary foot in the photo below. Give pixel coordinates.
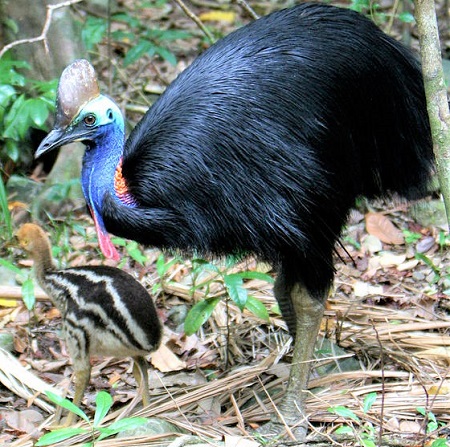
(275, 430)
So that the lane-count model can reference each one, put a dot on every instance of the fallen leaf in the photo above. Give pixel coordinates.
(410, 427)
(218, 16)
(381, 226)
(239, 441)
(165, 360)
(408, 265)
(362, 289)
(25, 421)
(371, 244)
(440, 389)
(389, 259)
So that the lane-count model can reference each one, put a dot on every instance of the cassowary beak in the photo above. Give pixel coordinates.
(52, 141)
(59, 137)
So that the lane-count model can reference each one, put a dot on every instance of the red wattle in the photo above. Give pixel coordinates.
(104, 240)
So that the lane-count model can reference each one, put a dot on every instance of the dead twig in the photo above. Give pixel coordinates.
(196, 19)
(45, 28)
(245, 6)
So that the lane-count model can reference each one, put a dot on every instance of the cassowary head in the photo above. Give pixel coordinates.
(83, 114)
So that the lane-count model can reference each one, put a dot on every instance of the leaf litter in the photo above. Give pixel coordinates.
(385, 330)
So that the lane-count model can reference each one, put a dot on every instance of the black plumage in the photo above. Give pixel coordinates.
(261, 147)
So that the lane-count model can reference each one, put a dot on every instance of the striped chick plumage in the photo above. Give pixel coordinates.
(104, 310)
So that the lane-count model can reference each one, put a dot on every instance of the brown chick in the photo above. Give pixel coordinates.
(104, 310)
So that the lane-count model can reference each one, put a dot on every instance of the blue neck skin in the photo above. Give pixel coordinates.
(103, 153)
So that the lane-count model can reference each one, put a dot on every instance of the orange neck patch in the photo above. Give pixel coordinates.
(121, 187)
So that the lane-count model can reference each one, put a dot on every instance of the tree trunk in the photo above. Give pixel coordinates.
(64, 45)
(436, 93)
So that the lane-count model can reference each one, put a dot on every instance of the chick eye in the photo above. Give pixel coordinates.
(90, 120)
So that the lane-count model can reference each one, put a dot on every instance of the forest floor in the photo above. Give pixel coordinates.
(382, 369)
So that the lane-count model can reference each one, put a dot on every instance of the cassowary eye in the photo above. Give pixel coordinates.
(90, 120)
(109, 114)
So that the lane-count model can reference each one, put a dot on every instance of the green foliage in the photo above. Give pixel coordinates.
(5, 221)
(374, 11)
(439, 273)
(234, 286)
(133, 249)
(136, 35)
(24, 104)
(366, 432)
(411, 237)
(432, 422)
(96, 431)
(28, 295)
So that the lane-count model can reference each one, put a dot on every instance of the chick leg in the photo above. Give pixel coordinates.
(140, 372)
(82, 367)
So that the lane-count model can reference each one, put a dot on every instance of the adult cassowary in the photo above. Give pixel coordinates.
(259, 147)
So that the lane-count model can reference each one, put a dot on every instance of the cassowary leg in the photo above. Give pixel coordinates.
(303, 314)
(140, 372)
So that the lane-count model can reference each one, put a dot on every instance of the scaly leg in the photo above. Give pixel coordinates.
(308, 313)
(82, 369)
(140, 372)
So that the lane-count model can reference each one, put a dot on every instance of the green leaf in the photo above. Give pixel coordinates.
(94, 31)
(59, 435)
(11, 24)
(369, 400)
(142, 47)
(256, 275)
(67, 404)
(421, 410)
(38, 111)
(199, 313)
(256, 307)
(368, 442)
(406, 17)
(136, 253)
(15, 121)
(344, 430)
(8, 74)
(166, 54)
(276, 309)
(12, 150)
(427, 261)
(344, 412)
(133, 22)
(235, 288)
(6, 219)
(28, 295)
(441, 442)
(6, 93)
(119, 241)
(104, 403)
(162, 266)
(121, 426)
(12, 267)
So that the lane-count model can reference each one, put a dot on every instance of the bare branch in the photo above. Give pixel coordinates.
(43, 35)
(244, 5)
(196, 19)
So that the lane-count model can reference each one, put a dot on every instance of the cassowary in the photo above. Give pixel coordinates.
(260, 147)
(104, 311)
